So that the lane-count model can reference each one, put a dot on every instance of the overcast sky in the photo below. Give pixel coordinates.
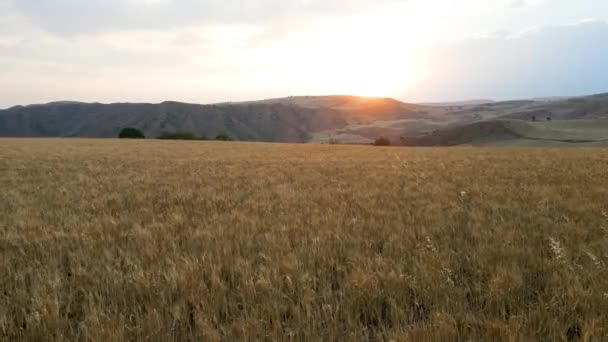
(228, 50)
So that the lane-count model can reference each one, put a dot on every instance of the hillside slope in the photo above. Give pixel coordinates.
(288, 120)
(344, 119)
(516, 132)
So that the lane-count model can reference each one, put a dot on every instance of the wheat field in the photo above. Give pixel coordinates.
(108, 240)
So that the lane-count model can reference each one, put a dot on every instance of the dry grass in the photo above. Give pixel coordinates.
(161, 240)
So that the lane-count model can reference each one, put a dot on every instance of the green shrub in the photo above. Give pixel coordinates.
(180, 136)
(131, 133)
(223, 137)
(382, 142)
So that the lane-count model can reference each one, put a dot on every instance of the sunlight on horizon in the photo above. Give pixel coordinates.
(218, 51)
(365, 55)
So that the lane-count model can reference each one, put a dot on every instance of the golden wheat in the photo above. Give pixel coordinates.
(163, 240)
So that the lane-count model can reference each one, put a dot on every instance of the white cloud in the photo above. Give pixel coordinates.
(195, 50)
(557, 60)
(81, 17)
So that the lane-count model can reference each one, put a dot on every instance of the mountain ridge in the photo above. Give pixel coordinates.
(266, 120)
(330, 118)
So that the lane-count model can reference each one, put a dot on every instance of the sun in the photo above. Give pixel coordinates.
(369, 73)
(367, 55)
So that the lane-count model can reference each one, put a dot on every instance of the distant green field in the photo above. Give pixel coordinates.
(111, 240)
(511, 132)
(564, 130)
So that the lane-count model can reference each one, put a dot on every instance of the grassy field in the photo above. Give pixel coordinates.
(163, 240)
(564, 130)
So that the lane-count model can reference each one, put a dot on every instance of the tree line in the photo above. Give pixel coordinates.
(134, 133)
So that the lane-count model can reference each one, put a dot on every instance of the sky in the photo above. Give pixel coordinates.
(206, 51)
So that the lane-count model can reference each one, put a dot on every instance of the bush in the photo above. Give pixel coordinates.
(223, 137)
(382, 142)
(180, 136)
(131, 133)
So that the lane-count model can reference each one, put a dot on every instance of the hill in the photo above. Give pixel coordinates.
(516, 132)
(458, 103)
(286, 120)
(560, 121)
(344, 119)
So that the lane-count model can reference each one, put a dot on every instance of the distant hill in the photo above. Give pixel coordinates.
(458, 103)
(576, 120)
(288, 120)
(341, 118)
(516, 132)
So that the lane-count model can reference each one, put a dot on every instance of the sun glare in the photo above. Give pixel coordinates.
(366, 55)
(371, 59)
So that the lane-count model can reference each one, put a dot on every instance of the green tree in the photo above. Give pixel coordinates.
(180, 136)
(382, 142)
(131, 133)
(223, 137)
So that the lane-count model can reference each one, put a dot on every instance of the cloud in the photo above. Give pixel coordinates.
(206, 51)
(519, 4)
(559, 60)
(70, 17)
